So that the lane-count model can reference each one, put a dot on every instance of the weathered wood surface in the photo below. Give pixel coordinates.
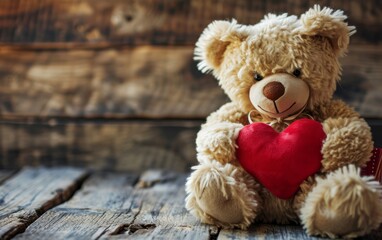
(86, 23)
(31, 192)
(152, 82)
(112, 205)
(361, 84)
(118, 145)
(111, 145)
(162, 214)
(269, 231)
(102, 206)
(109, 207)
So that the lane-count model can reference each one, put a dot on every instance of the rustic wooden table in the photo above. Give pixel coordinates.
(113, 85)
(72, 203)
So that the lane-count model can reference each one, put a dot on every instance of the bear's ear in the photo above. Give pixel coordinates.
(329, 24)
(213, 42)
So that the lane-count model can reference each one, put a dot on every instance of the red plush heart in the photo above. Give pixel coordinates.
(281, 161)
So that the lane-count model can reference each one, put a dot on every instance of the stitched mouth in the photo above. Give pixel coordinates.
(277, 111)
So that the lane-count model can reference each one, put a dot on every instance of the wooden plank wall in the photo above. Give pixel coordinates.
(112, 84)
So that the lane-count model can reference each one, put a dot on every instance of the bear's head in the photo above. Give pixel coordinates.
(280, 66)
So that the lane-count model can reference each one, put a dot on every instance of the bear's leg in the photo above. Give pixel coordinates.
(343, 204)
(223, 195)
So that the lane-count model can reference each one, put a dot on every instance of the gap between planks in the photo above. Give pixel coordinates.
(111, 205)
(26, 195)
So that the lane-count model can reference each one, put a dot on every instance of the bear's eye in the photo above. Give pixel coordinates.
(257, 76)
(297, 73)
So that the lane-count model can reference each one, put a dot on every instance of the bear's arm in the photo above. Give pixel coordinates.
(217, 138)
(229, 112)
(348, 140)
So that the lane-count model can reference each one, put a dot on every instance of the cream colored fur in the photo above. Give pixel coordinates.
(336, 201)
(343, 204)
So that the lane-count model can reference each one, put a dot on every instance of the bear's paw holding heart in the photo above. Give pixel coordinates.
(281, 161)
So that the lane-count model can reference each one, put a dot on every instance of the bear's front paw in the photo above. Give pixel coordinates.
(218, 141)
(348, 142)
(223, 195)
(343, 205)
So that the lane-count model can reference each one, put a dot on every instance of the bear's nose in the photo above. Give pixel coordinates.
(273, 90)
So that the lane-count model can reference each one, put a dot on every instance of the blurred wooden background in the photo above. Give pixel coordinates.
(112, 84)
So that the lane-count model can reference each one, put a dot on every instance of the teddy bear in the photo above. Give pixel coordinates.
(280, 75)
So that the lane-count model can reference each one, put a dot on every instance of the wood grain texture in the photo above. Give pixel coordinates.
(118, 145)
(113, 205)
(112, 145)
(267, 231)
(152, 82)
(273, 231)
(31, 192)
(102, 206)
(161, 212)
(85, 23)
(361, 84)
(110, 207)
